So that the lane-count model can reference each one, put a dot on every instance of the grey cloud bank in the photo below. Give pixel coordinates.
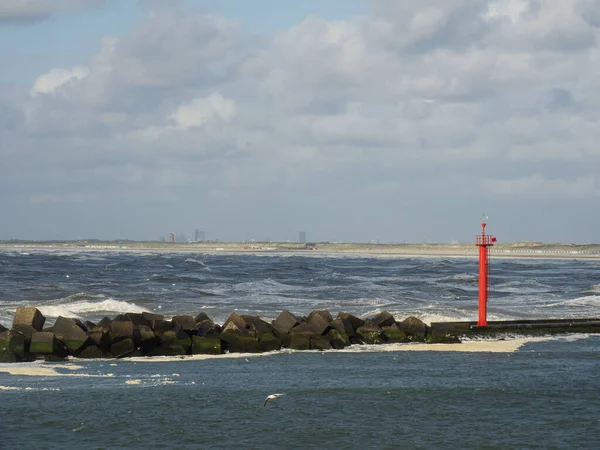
(27, 11)
(401, 125)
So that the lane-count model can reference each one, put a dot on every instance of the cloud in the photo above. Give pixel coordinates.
(58, 78)
(15, 11)
(51, 199)
(539, 186)
(550, 25)
(200, 111)
(434, 105)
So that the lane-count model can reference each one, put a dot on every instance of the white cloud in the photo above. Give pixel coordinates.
(200, 111)
(52, 199)
(57, 78)
(402, 105)
(33, 10)
(537, 185)
(506, 9)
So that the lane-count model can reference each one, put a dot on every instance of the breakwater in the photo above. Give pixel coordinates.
(148, 334)
(518, 327)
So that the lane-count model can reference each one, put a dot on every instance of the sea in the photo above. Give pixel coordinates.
(544, 395)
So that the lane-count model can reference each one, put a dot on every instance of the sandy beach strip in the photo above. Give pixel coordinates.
(327, 250)
(47, 370)
(506, 346)
(489, 346)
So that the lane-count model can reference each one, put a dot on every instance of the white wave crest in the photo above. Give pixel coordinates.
(192, 260)
(580, 302)
(594, 288)
(200, 263)
(267, 285)
(84, 296)
(460, 277)
(6, 318)
(573, 337)
(444, 317)
(81, 308)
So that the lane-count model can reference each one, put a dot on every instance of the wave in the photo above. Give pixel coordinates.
(594, 288)
(177, 278)
(579, 302)
(439, 263)
(204, 293)
(460, 277)
(78, 309)
(528, 282)
(265, 286)
(200, 263)
(6, 318)
(521, 287)
(375, 305)
(85, 257)
(192, 260)
(455, 288)
(365, 279)
(84, 296)
(573, 337)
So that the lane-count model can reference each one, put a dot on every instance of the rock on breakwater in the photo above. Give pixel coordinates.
(147, 334)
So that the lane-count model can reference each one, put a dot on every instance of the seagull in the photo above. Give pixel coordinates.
(271, 397)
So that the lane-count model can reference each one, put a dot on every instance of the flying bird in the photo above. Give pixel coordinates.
(271, 397)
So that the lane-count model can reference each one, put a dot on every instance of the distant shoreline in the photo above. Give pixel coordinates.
(530, 251)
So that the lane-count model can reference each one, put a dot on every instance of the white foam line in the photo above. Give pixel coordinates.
(506, 346)
(39, 370)
(155, 359)
(490, 346)
(66, 366)
(503, 346)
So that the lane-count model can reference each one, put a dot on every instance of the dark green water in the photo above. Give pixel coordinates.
(546, 395)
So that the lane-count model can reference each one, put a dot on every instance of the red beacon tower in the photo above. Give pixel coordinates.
(483, 241)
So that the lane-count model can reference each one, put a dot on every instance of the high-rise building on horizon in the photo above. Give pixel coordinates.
(302, 237)
(199, 235)
(171, 238)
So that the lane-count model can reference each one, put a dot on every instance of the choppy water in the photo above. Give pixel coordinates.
(94, 284)
(545, 395)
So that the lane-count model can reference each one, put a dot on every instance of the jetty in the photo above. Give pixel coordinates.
(148, 334)
(535, 327)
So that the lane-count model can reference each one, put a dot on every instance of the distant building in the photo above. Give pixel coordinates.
(171, 238)
(199, 235)
(302, 237)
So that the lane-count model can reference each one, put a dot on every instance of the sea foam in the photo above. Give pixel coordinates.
(579, 302)
(77, 309)
(594, 288)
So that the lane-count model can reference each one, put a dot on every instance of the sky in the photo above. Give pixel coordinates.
(351, 120)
